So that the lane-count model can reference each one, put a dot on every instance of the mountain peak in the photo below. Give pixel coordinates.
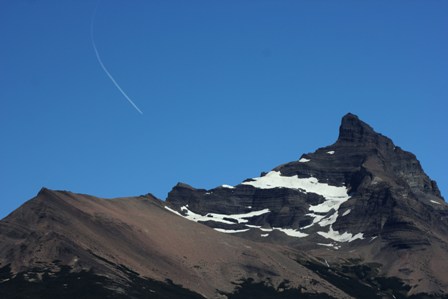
(355, 131)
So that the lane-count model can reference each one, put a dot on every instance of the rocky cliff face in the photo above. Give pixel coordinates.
(355, 186)
(360, 193)
(358, 218)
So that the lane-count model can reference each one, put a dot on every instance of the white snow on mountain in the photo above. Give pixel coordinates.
(231, 231)
(173, 211)
(239, 218)
(274, 179)
(325, 213)
(227, 186)
(253, 226)
(344, 237)
(291, 232)
(329, 220)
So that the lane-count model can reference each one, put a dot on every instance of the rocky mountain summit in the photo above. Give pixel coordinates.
(356, 189)
(358, 218)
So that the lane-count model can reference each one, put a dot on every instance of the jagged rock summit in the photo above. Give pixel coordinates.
(354, 130)
(356, 219)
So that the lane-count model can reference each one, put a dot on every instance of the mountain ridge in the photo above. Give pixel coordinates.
(385, 197)
(357, 218)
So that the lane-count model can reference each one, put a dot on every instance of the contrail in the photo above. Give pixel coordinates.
(98, 57)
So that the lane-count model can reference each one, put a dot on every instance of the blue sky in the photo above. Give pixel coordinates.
(227, 88)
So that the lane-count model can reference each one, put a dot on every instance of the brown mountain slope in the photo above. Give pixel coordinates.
(86, 232)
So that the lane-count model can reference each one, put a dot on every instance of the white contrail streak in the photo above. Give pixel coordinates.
(98, 57)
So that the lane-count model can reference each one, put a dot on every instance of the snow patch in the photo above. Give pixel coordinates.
(231, 231)
(323, 244)
(197, 217)
(304, 160)
(227, 186)
(264, 235)
(346, 212)
(329, 220)
(328, 205)
(288, 231)
(173, 211)
(344, 237)
(239, 218)
(253, 226)
(332, 202)
(330, 152)
(291, 232)
(274, 179)
(334, 197)
(316, 219)
(433, 201)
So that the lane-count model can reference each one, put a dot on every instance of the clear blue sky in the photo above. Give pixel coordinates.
(228, 89)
